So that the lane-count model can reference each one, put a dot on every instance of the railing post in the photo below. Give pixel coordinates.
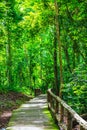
(48, 99)
(47, 96)
(69, 122)
(53, 103)
(61, 114)
(56, 107)
(56, 111)
(81, 128)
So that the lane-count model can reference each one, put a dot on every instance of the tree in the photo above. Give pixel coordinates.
(59, 45)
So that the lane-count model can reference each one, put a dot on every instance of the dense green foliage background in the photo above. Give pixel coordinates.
(27, 35)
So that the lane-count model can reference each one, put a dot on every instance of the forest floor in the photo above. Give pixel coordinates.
(9, 102)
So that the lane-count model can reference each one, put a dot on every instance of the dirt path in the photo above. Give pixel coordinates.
(33, 115)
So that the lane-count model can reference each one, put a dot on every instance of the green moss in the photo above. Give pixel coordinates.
(53, 126)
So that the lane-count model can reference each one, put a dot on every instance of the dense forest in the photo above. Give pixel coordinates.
(43, 44)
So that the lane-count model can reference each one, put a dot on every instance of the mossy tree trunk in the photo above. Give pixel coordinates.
(59, 44)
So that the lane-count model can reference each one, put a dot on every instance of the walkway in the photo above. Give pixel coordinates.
(33, 115)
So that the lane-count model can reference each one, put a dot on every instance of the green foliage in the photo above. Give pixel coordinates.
(74, 93)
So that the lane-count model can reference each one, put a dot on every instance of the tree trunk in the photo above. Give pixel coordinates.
(67, 57)
(9, 64)
(28, 66)
(41, 62)
(30, 70)
(55, 66)
(59, 45)
(8, 48)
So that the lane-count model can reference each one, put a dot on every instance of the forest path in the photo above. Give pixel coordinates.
(33, 115)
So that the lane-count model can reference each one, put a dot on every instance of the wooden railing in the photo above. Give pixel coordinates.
(63, 114)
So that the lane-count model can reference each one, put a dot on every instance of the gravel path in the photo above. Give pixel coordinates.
(32, 115)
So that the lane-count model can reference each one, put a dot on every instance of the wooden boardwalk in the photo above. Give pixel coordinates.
(33, 115)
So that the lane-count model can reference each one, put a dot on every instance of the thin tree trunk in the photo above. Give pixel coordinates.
(55, 66)
(30, 70)
(9, 64)
(67, 57)
(8, 48)
(76, 50)
(41, 62)
(28, 66)
(59, 45)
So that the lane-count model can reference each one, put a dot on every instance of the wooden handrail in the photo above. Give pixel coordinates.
(64, 114)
